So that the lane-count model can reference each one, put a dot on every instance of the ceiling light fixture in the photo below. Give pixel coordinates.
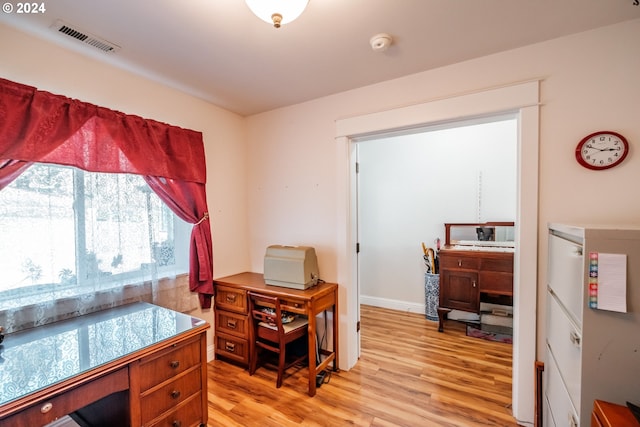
(277, 12)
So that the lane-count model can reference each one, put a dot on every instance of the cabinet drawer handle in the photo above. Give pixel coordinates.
(231, 323)
(575, 338)
(174, 364)
(459, 263)
(474, 284)
(176, 423)
(230, 347)
(231, 297)
(572, 421)
(175, 394)
(46, 407)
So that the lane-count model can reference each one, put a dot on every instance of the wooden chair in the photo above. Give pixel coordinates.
(270, 333)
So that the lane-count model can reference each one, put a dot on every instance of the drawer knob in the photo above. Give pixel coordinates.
(231, 323)
(174, 364)
(46, 407)
(459, 263)
(175, 394)
(231, 297)
(176, 423)
(230, 347)
(474, 284)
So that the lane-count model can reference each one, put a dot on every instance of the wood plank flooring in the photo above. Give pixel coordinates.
(408, 375)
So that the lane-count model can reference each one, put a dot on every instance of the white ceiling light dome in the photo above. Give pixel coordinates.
(277, 12)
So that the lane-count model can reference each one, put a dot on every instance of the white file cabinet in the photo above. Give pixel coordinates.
(591, 353)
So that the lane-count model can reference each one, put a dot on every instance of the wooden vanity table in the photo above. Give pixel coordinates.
(134, 365)
(471, 268)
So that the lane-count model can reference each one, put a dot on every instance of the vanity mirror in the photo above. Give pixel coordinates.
(497, 234)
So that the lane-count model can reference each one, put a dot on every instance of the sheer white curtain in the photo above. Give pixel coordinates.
(76, 242)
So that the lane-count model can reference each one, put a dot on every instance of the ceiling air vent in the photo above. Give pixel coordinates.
(84, 37)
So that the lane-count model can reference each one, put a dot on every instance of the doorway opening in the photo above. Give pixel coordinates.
(520, 99)
(409, 185)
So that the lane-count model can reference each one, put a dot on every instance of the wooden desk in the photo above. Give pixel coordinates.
(232, 317)
(134, 365)
(606, 414)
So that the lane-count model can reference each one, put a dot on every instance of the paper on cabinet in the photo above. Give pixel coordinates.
(611, 278)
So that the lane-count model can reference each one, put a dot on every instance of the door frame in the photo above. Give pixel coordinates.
(522, 99)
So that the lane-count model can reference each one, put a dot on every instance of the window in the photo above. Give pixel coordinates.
(67, 232)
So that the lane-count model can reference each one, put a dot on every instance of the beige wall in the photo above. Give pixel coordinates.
(590, 81)
(30, 61)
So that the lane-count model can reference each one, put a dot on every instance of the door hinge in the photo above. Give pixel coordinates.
(357, 167)
(358, 326)
(357, 248)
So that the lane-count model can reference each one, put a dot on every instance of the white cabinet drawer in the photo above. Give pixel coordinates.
(564, 341)
(559, 411)
(547, 418)
(565, 275)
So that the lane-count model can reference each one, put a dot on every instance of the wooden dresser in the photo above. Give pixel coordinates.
(232, 327)
(467, 272)
(135, 365)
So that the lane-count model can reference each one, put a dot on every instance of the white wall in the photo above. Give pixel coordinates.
(410, 185)
(30, 61)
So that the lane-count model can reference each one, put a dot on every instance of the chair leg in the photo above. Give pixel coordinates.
(281, 362)
(253, 363)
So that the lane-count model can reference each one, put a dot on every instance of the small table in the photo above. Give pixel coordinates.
(309, 302)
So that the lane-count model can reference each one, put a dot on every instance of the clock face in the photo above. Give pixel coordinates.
(602, 150)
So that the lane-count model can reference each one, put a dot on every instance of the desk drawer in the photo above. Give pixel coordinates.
(232, 347)
(494, 282)
(231, 299)
(187, 414)
(169, 363)
(459, 261)
(70, 401)
(293, 305)
(169, 395)
(503, 264)
(232, 323)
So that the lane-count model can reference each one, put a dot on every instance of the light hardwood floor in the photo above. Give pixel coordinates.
(408, 375)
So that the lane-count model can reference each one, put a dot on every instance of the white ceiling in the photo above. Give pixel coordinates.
(218, 50)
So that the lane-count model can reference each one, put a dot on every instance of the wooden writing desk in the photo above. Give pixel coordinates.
(134, 365)
(232, 317)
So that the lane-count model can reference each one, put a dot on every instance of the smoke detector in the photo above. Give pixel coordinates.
(380, 42)
(84, 36)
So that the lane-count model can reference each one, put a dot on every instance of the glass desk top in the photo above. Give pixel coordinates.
(40, 357)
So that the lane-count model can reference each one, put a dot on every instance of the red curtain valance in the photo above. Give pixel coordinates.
(37, 126)
(47, 128)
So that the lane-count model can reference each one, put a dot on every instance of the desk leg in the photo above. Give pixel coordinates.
(442, 316)
(335, 330)
(312, 351)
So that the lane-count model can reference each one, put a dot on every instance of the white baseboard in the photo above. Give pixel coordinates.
(392, 304)
(211, 353)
